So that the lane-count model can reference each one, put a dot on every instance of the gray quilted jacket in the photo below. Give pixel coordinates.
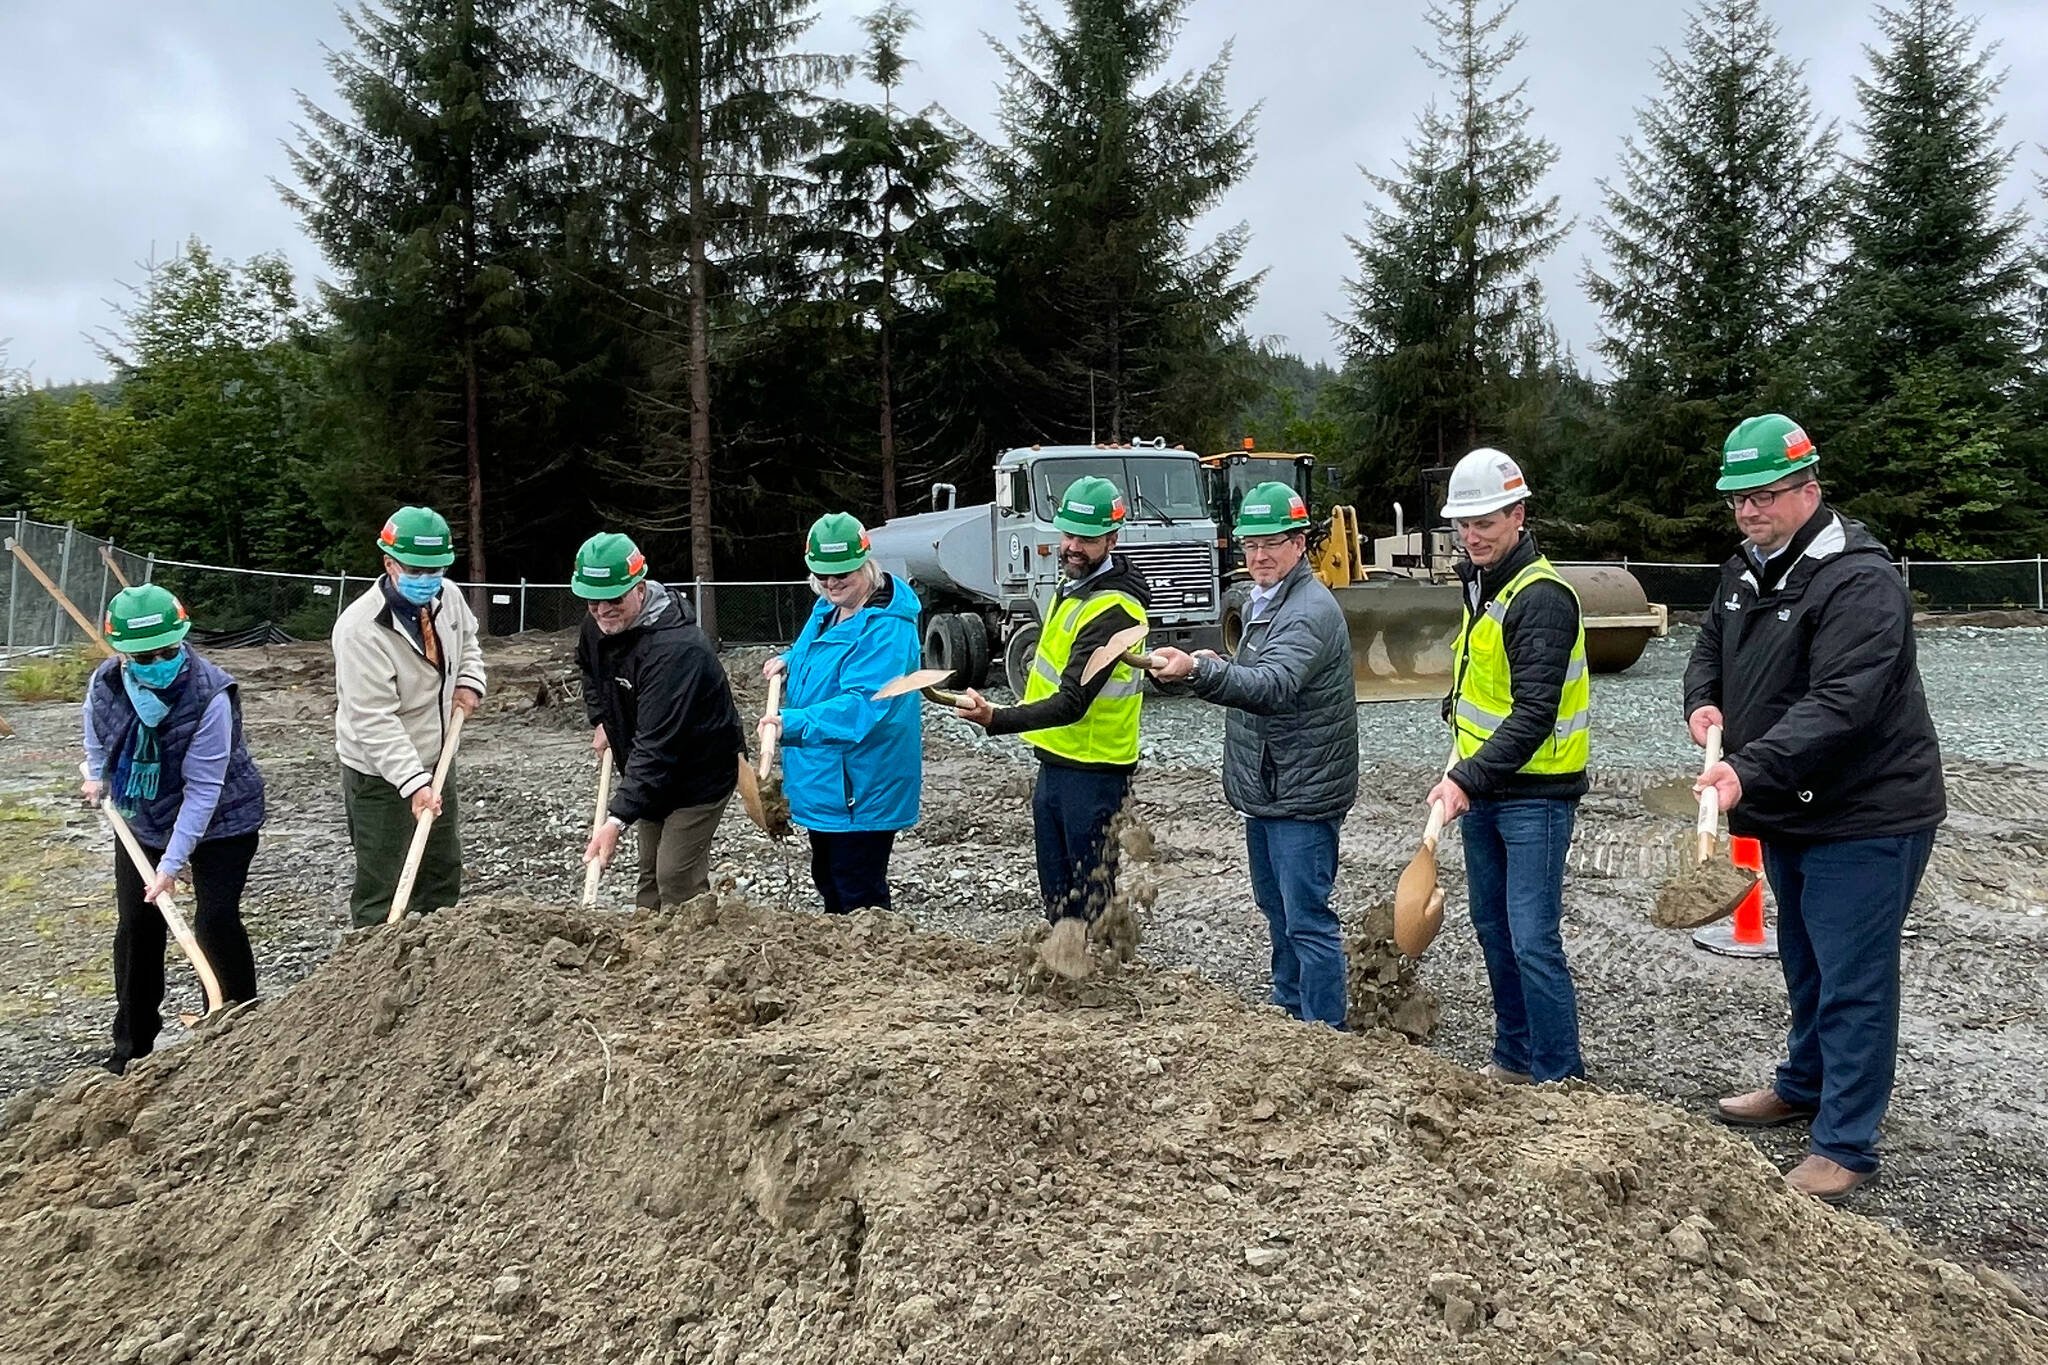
(1290, 744)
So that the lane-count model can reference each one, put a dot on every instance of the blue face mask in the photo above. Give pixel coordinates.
(159, 675)
(419, 588)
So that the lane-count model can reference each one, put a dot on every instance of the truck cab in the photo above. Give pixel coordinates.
(988, 574)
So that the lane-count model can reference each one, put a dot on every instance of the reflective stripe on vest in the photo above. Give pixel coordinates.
(1486, 691)
(1108, 731)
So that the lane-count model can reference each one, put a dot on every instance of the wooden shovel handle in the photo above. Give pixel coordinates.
(1709, 823)
(411, 872)
(595, 871)
(768, 735)
(188, 943)
(939, 696)
(1432, 831)
(1147, 662)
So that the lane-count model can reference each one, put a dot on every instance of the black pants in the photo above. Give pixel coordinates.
(1070, 813)
(220, 867)
(851, 871)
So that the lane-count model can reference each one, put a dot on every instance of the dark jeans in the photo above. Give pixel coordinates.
(851, 870)
(1841, 908)
(1070, 811)
(1293, 866)
(220, 868)
(380, 826)
(1514, 879)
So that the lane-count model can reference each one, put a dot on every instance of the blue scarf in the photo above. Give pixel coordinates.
(138, 770)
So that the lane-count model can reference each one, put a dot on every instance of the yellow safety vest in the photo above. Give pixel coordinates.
(1485, 691)
(1108, 731)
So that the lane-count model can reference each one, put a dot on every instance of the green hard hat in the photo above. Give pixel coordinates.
(1270, 509)
(144, 618)
(838, 543)
(608, 565)
(1090, 507)
(1764, 450)
(418, 538)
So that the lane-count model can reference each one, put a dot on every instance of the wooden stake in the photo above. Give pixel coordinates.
(92, 632)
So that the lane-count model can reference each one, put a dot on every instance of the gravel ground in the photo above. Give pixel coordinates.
(1966, 1143)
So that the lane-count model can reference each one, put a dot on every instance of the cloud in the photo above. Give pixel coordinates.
(131, 126)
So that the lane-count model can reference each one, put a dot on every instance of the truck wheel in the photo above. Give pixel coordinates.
(1017, 657)
(1234, 604)
(945, 646)
(974, 632)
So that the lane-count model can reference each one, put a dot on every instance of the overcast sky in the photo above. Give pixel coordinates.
(127, 127)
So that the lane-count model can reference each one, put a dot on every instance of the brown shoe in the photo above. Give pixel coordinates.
(1494, 1071)
(1759, 1109)
(1828, 1181)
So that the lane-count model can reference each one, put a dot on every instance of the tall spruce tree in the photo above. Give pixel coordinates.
(1119, 324)
(890, 202)
(424, 198)
(706, 109)
(1715, 236)
(1926, 328)
(1446, 312)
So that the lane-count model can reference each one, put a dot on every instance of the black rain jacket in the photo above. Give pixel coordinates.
(661, 694)
(1824, 717)
(1538, 631)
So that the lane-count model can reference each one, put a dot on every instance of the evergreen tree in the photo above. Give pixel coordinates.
(705, 110)
(1116, 323)
(890, 204)
(1715, 236)
(1446, 304)
(1927, 324)
(432, 198)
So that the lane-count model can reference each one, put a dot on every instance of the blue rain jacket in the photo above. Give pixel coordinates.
(848, 762)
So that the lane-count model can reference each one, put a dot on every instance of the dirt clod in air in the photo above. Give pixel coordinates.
(1384, 984)
(740, 1135)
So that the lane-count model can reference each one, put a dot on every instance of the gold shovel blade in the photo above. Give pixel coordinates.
(913, 682)
(750, 795)
(1112, 653)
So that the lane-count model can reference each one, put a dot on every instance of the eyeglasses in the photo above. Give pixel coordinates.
(156, 656)
(1265, 544)
(833, 580)
(1762, 498)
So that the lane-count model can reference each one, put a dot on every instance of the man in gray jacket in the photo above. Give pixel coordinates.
(1290, 746)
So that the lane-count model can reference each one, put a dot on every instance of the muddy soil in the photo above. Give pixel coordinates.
(735, 1134)
(1966, 1142)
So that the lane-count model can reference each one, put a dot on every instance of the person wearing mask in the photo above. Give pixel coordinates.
(1086, 733)
(1807, 663)
(163, 740)
(657, 697)
(853, 767)
(406, 658)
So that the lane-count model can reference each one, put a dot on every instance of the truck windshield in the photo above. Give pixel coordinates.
(1245, 475)
(1155, 487)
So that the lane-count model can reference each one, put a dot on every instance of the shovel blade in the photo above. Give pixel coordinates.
(1112, 653)
(1418, 909)
(1701, 895)
(750, 795)
(913, 682)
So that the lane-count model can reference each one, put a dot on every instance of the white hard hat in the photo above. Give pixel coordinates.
(1484, 481)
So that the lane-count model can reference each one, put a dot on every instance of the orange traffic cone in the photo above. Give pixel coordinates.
(1743, 934)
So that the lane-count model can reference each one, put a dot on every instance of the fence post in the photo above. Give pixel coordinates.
(340, 596)
(14, 577)
(522, 606)
(63, 581)
(149, 568)
(1906, 572)
(2040, 602)
(104, 567)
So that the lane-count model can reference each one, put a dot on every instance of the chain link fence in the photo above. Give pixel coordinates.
(269, 605)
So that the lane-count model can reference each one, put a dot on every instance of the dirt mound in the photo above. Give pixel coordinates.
(734, 1135)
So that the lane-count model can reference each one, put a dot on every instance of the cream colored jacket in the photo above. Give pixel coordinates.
(392, 706)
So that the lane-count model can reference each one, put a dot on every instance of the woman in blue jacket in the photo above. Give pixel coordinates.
(163, 739)
(852, 767)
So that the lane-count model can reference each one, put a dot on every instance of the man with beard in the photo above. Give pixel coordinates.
(1086, 733)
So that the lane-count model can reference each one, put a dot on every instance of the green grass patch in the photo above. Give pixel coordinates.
(57, 677)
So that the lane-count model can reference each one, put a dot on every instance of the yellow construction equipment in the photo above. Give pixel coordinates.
(1400, 594)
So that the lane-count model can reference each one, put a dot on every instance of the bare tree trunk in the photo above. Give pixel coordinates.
(472, 401)
(702, 565)
(888, 428)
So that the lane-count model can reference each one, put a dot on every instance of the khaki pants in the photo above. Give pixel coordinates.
(675, 855)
